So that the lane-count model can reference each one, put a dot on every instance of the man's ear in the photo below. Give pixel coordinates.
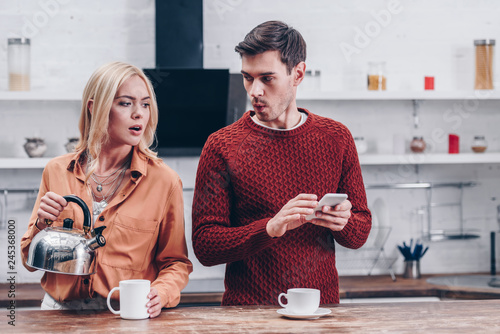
(299, 71)
(90, 105)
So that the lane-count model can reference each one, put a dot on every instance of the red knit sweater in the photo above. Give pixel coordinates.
(246, 174)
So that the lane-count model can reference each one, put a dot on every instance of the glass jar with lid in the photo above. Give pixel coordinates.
(376, 75)
(312, 81)
(479, 144)
(361, 145)
(19, 63)
(484, 63)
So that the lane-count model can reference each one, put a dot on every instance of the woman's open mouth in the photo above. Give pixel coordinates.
(136, 130)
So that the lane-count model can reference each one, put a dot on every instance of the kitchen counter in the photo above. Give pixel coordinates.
(30, 295)
(425, 317)
(383, 287)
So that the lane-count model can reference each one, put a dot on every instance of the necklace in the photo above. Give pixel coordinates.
(98, 205)
(103, 182)
(94, 177)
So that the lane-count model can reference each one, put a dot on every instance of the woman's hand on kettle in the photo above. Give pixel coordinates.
(51, 206)
(154, 305)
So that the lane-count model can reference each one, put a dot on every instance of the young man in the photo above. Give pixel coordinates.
(260, 177)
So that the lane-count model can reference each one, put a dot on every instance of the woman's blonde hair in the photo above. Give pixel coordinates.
(101, 89)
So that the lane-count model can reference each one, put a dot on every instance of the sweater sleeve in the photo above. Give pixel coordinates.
(215, 239)
(172, 258)
(356, 232)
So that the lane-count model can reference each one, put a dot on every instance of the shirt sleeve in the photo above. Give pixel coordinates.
(172, 256)
(355, 233)
(32, 229)
(215, 239)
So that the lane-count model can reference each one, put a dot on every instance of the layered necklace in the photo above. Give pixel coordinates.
(101, 200)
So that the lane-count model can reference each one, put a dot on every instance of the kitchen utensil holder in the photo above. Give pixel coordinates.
(412, 269)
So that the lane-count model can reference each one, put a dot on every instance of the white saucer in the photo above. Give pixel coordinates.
(319, 313)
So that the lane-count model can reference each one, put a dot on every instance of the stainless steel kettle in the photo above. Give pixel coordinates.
(66, 250)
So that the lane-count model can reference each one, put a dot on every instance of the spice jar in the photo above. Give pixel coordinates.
(19, 63)
(484, 63)
(453, 143)
(376, 76)
(479, 144)
(417, 145)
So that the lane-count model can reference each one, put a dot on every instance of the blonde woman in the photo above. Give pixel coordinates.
(130, 190)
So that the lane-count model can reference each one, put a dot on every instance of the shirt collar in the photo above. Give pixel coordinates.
(138, 165)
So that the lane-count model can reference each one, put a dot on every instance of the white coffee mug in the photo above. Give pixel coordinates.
(301, 300)
(133, 299)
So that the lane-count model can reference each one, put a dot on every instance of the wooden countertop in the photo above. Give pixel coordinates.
(423, 317)
(30, 295)
(383, 286)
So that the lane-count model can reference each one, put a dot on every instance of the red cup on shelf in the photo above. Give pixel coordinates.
(453, 144)
(429, 83)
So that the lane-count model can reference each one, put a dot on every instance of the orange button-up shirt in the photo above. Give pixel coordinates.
(144, 230)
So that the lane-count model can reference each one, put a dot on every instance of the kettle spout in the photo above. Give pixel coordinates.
(98, 239)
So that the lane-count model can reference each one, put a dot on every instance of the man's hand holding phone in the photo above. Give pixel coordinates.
(333, 212)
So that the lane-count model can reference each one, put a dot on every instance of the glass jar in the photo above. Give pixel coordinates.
(361, 145)
(484, 63)
(376, 76)
(312, 81)
(417, 145)
(19, 63)
(479, 144)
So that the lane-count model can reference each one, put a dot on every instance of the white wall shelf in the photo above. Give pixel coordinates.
(39, 96)
(388, 95)
(365, 159)
(301, 95)
(23, 163)
(429, 159)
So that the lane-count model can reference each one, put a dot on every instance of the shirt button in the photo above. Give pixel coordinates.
(86, 281)
(101, 218)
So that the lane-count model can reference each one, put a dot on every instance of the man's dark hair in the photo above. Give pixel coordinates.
(275, 36)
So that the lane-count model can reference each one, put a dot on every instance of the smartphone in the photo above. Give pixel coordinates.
(328, 200)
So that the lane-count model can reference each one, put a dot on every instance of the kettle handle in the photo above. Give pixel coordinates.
(86, 212)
